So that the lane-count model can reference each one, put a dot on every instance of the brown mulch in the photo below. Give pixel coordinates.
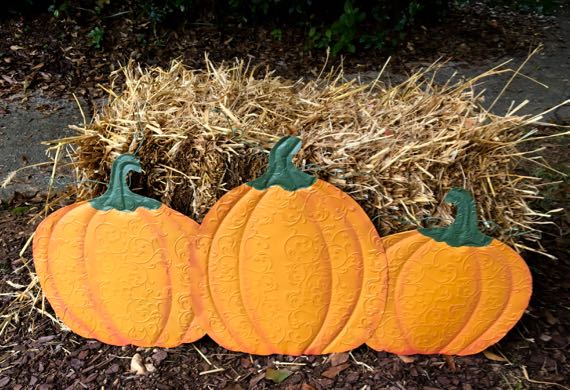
(36, 353)
(55, 55)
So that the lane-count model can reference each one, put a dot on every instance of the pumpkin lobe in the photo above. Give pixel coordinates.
(203, 300)
(493, 298)
(227, 321)
(515, 303)
(168, 306)
(59, 267)
(359, 271)
(399, 248)
(72, 280)
(127, 268)
(435, 295)
(285, 271)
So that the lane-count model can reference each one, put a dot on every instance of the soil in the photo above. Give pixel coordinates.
(36, 353)
(57, 56)
(54, 57)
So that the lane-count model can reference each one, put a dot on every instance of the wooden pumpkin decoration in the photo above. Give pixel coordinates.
(452, 290)
(288, 264)
(116, 268)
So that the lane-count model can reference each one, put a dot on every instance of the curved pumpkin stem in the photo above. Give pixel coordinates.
(118, 195)
(281, 171)
(464, 231)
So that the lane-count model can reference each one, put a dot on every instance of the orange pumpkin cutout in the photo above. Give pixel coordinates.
(288, 264)
(116, 268)
(452, 290)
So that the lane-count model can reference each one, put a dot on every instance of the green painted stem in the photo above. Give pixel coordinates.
(464, 231)
(281, 171)
(118, 195)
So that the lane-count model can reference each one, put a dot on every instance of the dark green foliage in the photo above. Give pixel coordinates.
(11, 8)
(341, 34)
(277, 34)
(342, 25)
(96, 37)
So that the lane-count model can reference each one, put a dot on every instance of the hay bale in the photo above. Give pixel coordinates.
(396, 149)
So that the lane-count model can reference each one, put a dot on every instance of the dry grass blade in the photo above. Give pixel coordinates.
(24, 301)
(525, 373)
(396, 149)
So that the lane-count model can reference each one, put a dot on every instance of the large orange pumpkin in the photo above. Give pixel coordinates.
(452, 290)
(116, 268)
(288, 264)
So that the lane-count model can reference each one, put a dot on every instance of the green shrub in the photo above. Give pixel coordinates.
(341, 34)
(96, 37)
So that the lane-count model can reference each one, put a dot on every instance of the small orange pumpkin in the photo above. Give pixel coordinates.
(452, 290)
(116, 268)
(288, 264)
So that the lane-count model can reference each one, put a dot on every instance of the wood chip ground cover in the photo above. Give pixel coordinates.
(36, 353)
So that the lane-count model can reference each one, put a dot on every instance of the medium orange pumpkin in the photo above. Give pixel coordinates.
(116, 268)
(288, 264)
(452, 290)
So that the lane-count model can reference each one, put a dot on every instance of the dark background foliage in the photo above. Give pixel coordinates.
(342, 25)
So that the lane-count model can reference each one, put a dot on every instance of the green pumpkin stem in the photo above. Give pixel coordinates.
(464, 231)
(281, 171)
(118, 195)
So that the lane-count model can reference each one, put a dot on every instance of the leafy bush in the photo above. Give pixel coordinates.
(375, 24)
(96, 37)
(341, 34)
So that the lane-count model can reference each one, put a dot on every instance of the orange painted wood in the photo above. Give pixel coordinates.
(449, 300)
(119, 275)
(288, 272)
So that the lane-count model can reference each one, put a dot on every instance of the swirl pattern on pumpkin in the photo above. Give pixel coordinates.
(290, 272)
(449, 300)
(120, 277)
